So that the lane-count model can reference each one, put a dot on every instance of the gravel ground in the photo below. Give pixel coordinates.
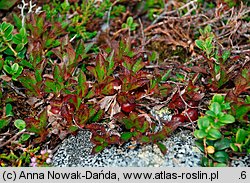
(75, 152)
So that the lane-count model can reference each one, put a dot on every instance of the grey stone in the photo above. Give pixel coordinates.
(181, 152)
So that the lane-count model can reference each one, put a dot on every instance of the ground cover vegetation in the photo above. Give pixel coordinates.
(105, 65)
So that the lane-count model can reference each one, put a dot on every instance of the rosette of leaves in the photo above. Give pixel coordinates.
(219, 68)
(14, 70)
(12, 44)
(130, 24)
(205, 42)
(211, 140)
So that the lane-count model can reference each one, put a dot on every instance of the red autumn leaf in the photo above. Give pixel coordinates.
(66, 114)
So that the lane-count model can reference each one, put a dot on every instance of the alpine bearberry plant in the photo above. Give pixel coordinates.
(111, 66)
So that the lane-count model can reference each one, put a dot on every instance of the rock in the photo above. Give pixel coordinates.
(75, 151)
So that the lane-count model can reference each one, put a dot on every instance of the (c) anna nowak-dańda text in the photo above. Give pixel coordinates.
(68, 175)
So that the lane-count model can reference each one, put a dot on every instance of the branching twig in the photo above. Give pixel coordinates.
(12, 138)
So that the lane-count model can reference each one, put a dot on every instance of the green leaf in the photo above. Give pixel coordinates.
(227, 119)
(162, 147)
(124, 26)
(17, 39)
(14, 67)
(247, 99)
(82, 85)
(234, 147)
(7, 30)
(1, 63)
(100, 68)
(222, 144)
(200, 145)
(200, 44)
(4, 26)
(8, 69)
(8, 110)
(97, 149)
(203, 123)
(111, 61)
(93, 71)
(200, 134)
(24, 137)
(43, 118)
(49, 42)
(205, 162)
(208, 42)
(25, 63)
(153, 56)
(18, 73)
(210, 113)
(214, 134)
(128, 123)
(20, 124)
(144, 139)
(108, 89)
(126, 136)
(65, 6)
(130, 21)
(19, 47)
(58, 75)
(50, 86)
(133, 26)
(90, 94)
(38, 75)
(97, 116)
(144, 127)
(166, 75)
(221, 157)
(23, 33)
(242, 111)
(241, 136)
(17, 20)
(8, 51)
(81, 78)
(73, 128)
(217, 69)
(3, 123)
(218, 98)
(226, 55)
(221, 165)
(138, 66)
(92, 111)
(215, 107)
(208, 29)
(225, 106)
(209, 49)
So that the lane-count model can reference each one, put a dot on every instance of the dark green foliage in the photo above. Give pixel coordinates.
(209, 132)
(5, 5)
